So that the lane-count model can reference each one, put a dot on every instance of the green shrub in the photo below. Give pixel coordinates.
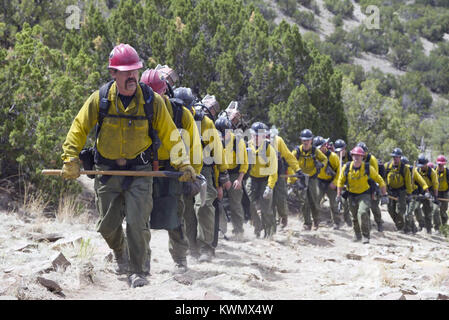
(342, 7)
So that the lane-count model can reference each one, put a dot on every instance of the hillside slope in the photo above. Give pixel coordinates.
(323, 264)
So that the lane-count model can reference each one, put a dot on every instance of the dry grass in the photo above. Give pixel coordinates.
(439, 278)
(33, 201)
(69, 209)
(386, 277)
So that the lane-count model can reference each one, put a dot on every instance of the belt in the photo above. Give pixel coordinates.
(351, 194)
(235, 170)
(164, 164)
(259, 178)
(142, 159)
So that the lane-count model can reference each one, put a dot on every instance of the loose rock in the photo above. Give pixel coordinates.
(353, 256)
(60, 261)
(49, 284)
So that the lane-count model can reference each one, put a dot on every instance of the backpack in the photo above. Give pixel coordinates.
(328, 154)
(177, 106)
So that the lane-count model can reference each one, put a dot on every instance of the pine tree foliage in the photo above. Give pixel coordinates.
(221, 47)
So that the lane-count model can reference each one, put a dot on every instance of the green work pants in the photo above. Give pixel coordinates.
(325, 189)
(133, 203)
(235, 205)
(397, 209)
(261, 211)
(205, 215)
(359, 205)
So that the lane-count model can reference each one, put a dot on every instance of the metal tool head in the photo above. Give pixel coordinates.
(203, 188)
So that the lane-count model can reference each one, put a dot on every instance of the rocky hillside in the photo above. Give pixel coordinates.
(325, 27)
(64, 258)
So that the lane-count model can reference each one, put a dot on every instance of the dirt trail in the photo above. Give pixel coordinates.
(323, 264)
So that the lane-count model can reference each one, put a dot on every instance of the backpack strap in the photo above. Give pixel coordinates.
(402, 169)
(346, 168)
(367, 165)
(297, 149)
(177, 105)
(368, 157)
(388, 167)
(104, 106)
(148, 96)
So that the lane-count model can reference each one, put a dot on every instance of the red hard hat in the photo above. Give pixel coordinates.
(152, 78)
(430, 165)
(441, 159)
(124, 58)
(358, 150)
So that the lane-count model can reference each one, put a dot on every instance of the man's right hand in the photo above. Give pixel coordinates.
(237, 185)
(71, 168)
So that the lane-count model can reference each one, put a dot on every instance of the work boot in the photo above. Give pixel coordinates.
(122, 259)
(316, 226)
(429, 230)
(380, 227)
(357, 237)
(137, 280)
(365, 239)
(206, 255)
(307, 227)
(406, 229)
(194, 253)
(336, 226)
(284, 221)
(180, 266)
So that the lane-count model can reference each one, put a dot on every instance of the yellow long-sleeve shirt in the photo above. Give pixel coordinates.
(433, 181)
(417, 179)
(334, 163)
(266, 163)
(395, 180)
(120, 137)
(191, 138)
(232, 161)
(306, 161)
(357, 179)
(373, 162)
(213, 151)
(442, 180)
(279, 146)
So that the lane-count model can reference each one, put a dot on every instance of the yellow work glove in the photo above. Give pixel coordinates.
(189, 174)
(71, 168)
